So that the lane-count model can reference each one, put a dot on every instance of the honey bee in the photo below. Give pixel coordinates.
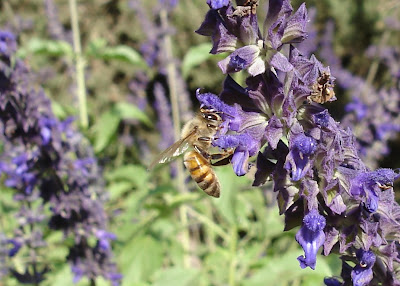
(198, 133)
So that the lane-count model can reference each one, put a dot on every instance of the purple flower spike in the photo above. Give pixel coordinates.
(311, 237)
(362, 273)
(297, 160)
(217, 4)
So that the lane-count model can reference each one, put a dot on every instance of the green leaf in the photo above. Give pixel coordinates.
(228, 204)
(176, 276)
(58, 109)
(129, 111)
(213, 262)
(117, 189)
(194, 57)
(96, 45)
(122, 53)
(140, 259)
(283, 269)
(105, 128)
(135, 174)
(49, 47)
(63, 277)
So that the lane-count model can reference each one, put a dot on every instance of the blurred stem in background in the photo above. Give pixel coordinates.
(376, 61)
(79, 65)
(180, 180)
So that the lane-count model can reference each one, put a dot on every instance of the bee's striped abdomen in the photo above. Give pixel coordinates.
(201, 171)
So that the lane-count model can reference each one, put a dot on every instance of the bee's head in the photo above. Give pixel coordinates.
(211, 115)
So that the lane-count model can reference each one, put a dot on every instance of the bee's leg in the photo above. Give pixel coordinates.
(201, 151)
(204, 139)
(223, 158)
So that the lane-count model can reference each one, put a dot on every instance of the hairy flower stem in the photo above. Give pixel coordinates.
(79, 65)
(171, 76)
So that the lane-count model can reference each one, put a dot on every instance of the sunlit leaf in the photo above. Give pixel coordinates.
(140, 258)
(195, 56)
(49, 47)
(129, 111)
(228, 204)
(136, 174)
(105, 128)
(283, 269)
(107, 125)
(122, 53)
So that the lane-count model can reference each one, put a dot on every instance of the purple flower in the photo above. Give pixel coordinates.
(243, 58)
(311, 237)
(104, 239)
(298, 160)
(16, 245)
(367, 186)
(245, 146)
(46, 125)
(362, 273)
(217, 4)
(332, 282)
(230, 114)
(358, 107)
(8, 43)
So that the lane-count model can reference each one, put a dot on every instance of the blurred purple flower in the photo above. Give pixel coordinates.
(8, 44)
(164, 122)
(47, 162)
(16, 245)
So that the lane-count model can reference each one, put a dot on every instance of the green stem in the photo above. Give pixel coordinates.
(210, 224)
(79, 65)
(374, 67)
(180, 179)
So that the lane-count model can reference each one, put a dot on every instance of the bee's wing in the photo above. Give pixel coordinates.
(173, 151)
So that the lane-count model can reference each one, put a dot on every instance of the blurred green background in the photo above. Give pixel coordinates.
(165, 236)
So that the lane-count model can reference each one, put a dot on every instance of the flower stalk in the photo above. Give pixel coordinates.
(79, 65)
